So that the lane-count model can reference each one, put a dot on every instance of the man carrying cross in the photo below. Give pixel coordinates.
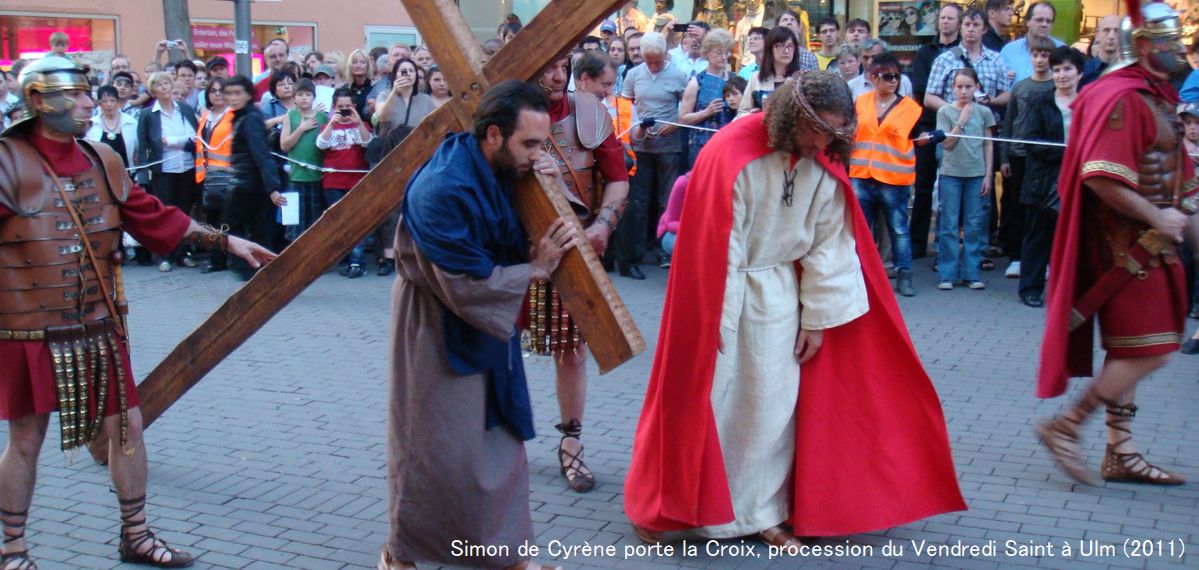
(63, 204)
(459, 408)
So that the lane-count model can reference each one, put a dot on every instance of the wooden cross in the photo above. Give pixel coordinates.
(582, 283)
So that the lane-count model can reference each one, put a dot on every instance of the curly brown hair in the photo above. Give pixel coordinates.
(821, 92)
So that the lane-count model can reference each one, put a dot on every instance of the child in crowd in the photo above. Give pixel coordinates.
(732, 91)
(1190, 141)
(964, 183)
(298, 140)
(1012, 155)
(344, 141)
(668, 224)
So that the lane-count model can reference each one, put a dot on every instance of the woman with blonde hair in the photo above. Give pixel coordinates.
(166, 132)
(358, 71)
(703, 101)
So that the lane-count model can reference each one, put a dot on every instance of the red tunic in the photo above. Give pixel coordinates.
(27, 374)
(1103, 147)
(871, 449)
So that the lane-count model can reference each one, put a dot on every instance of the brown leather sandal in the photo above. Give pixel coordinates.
(648, 536)
(530, 565)
(160, 554)
(1060, 437)
(386, 562)
(1131, 467)
(15, 560)
(578, 476)
(778, 536)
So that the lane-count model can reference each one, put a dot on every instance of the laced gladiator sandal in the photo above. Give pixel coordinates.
(133, 514)
(1131, 467)
(1060, 437)
(578, 476)
(14, 531)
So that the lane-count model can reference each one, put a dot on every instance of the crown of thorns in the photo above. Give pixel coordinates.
(807, 113)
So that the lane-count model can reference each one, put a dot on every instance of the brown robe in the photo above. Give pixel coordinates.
(452, 483)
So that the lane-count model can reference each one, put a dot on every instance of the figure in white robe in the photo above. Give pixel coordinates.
(756, 383)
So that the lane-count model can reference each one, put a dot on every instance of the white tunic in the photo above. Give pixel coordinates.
(756, 383)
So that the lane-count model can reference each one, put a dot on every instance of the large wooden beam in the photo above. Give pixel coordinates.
(585, 288)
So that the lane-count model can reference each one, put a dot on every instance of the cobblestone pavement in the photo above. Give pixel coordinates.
(276, 459)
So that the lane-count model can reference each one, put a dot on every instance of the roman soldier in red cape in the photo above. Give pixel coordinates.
(785, 388)
(1127, 193)
(63, 205)
(594, 180)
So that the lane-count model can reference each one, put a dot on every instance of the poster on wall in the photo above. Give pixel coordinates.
(906, 26)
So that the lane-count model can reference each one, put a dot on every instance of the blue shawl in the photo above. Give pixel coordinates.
(460, 217)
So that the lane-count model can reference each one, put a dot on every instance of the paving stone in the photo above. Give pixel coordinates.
(277, 459)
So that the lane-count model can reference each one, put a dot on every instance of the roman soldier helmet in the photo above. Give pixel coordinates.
(1155, 20)
(49, 75)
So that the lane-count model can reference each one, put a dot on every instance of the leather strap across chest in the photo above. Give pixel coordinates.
(87, 245)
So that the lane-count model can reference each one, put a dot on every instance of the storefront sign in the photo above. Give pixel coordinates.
(907, 25)
(216, 38)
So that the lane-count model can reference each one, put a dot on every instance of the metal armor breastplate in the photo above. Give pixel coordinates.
(1160, 170)
(46, 279)
(565, 134)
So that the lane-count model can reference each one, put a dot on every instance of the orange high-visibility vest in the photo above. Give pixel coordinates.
(219, 156)
(884, 152)
(624, 120)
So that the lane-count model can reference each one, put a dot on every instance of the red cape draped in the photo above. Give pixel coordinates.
(1065, 353)
(872, 450)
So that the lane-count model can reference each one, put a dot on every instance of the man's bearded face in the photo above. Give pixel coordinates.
(811, 139)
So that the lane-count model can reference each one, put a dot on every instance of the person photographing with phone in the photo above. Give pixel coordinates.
(344, 141)
(404, 103)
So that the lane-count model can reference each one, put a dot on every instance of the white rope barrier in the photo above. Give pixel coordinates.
(325, 169)
(1003, 140)
(661, 122)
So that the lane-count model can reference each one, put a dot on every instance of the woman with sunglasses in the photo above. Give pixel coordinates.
(214, 149)
(882, 166)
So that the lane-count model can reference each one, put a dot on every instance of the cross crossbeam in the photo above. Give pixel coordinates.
(583, 285)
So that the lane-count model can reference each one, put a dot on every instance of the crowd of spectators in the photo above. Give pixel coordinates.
(233, 148)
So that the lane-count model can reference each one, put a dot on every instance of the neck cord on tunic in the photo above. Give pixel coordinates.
(789, 186)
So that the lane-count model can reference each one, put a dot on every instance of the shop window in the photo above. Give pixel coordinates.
(387, 36)
(92, 39)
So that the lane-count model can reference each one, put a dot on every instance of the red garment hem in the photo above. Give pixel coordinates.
(27, 384)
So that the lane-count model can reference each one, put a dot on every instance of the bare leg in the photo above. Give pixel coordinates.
(1114, 387)
(1122, 462)
(571, 379)
(127, 466)
(1119, 376)
(128, 469)
(18, 475)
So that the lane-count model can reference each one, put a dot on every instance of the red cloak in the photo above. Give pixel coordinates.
(871, 450)
(1066, 353)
